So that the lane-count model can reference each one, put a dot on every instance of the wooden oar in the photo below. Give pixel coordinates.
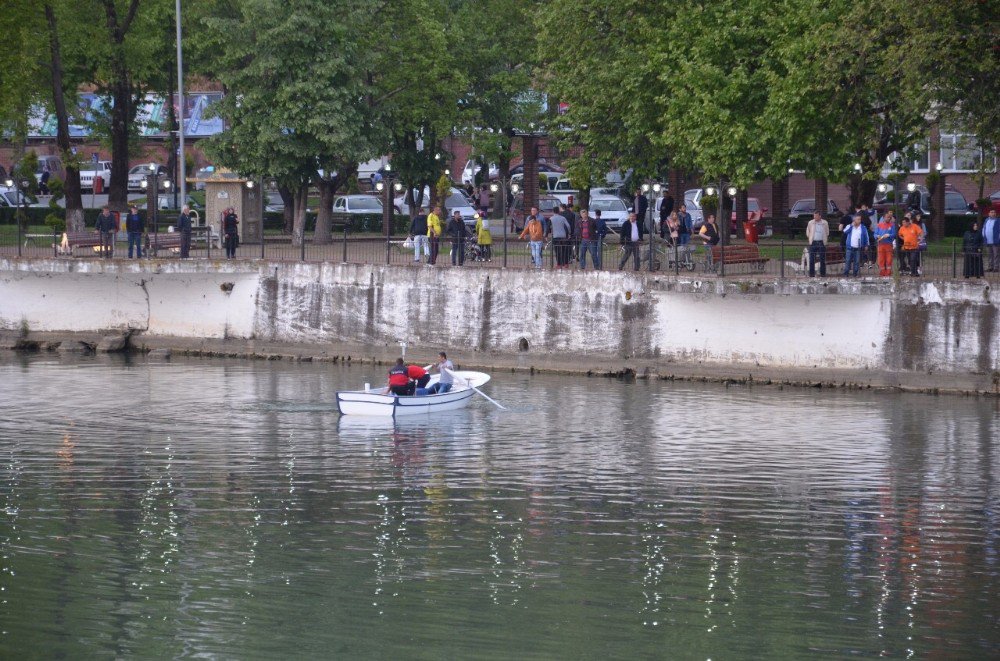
(469, 383)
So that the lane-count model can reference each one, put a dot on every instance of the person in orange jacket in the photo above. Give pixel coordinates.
(909, 234)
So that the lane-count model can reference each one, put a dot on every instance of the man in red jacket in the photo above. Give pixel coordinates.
(418, 374)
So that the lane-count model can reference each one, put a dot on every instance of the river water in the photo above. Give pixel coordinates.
(223, 509)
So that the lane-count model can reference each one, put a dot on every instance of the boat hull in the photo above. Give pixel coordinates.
(368, 403)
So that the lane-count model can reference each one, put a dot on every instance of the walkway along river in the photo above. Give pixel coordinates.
(928, 335)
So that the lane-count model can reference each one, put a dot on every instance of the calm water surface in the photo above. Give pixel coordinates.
(223, 509)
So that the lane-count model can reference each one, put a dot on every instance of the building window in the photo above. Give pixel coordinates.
(961, 152)
(914, 159)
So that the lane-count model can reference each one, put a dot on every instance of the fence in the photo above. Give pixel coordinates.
(770, 258)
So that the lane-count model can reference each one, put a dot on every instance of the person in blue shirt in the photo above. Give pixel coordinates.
(855, 243)
(991, 239)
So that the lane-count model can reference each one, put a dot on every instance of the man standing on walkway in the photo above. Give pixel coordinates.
(991, 239)
(134, 225)
(885, 238)
(686, 228)
(230, 232)
(630, 237)
(184, 227)
(817, 232)
(641, 206)
(855, 243)
(418, 234)
(106, 229)
(434, 231)
(602, 233)
(586, 229)
(561, 232)
(459, 235)
(535, 234)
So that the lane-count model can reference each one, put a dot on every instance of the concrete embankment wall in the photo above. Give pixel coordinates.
(916, 327)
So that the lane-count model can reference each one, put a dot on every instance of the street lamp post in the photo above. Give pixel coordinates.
(499, 190)
(152, 185)
(18, 185)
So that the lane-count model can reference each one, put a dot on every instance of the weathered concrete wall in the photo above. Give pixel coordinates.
(858, 324)
(183, 299)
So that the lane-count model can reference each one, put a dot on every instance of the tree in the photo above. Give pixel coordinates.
(128, 64)
(297, 104)
(416, 84)
(37, 77)
(499, 59)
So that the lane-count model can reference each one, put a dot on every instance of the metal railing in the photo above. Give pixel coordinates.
(773, 259)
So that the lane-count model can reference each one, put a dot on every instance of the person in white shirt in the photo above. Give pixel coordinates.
(817, 233)
(444, 367)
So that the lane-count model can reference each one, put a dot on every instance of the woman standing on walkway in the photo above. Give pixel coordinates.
(483, 237)
(972, 251)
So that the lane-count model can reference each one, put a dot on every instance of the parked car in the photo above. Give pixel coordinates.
(546, 207)
(471, 166)
(457, 201)
(564, 190)
(613, 210)
(54, 165)
(357, 204)
(692, 200)
(273, 202)
(994, 202)
(954, 203)
(552, 178)
(136, 176)
(805, 207)
(89, 171)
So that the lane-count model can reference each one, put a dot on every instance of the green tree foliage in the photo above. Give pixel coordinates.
(743, 89)
(300, 97)
(499, 57)
(417, 81)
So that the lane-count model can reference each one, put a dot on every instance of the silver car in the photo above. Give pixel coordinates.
(360, 204)
(612, 208)
(139, 173)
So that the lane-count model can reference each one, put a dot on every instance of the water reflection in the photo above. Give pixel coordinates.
(223, 508)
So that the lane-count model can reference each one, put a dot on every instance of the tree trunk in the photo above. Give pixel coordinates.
(288, 210)
(299, 226)
(322, 235)
(122, 111)
(74, 199)
(122, 97)
(821, 195)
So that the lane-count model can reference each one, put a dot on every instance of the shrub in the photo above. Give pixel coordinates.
(57, 224)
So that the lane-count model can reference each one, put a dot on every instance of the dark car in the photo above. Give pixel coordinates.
(546, 207)
(807, 206)
(954, 203)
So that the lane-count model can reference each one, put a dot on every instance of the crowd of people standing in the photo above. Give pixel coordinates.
(868, 241)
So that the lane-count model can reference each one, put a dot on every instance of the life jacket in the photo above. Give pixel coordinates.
(415, 371)
(398, 376)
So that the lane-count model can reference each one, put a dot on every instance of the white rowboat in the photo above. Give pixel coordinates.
(374, 403)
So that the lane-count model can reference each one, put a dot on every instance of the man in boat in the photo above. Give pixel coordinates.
(444, 368)
(419, 377)
(399, 380)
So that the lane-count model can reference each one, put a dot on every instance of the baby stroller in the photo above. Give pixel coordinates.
(474, 252)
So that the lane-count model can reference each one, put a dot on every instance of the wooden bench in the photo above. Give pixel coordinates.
(169, 241)
(73, 240)
(738, 254)
(834, 255)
